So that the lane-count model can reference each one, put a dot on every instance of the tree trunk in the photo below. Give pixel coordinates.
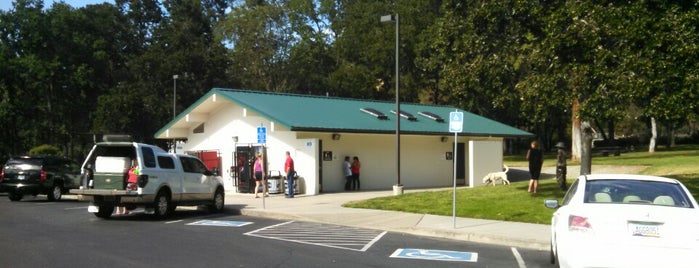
(586, 148)
(612, 133)
(576, 134)
(670, 135)
(653, 136)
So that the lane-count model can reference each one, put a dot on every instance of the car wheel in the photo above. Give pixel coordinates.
(55, 194)
(161, 205)
(554, 259)
(218, 202)
(14, 196)
(104, 211)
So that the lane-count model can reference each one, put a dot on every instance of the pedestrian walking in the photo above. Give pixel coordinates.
(259, 169)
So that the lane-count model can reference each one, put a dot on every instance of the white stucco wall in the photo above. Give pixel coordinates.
(486, 157)
(423, 161)
(423, 158)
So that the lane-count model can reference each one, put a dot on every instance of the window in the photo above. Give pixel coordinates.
(637, 192)
(571, 191)
(166, 162)
(375, 113)
(406, 115)
(192, 165)
(199, 128)
(148, 157)
(432, 116)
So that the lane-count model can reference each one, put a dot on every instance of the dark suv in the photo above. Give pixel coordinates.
(34, 175)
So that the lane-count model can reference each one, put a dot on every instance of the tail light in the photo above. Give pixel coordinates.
(142, 180)
(2, 174)
(43, 175)
(578, 223)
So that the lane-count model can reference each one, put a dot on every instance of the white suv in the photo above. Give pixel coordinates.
(165, 180)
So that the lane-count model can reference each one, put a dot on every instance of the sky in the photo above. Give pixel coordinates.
(6, 5)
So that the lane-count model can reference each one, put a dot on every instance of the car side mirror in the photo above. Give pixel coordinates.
(215, 171)
(551, 203)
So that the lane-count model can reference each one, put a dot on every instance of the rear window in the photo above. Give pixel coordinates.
(636, 192)
(23, 164)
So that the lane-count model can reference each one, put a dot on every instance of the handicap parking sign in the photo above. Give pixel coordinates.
(261, 135)
(456, 122)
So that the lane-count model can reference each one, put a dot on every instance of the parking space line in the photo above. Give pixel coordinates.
(327, 235)
(518, 257)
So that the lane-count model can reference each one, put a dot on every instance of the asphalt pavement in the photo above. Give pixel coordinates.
(327, 208)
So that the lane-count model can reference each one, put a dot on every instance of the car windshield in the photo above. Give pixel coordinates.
(23, 164)
(636, 192)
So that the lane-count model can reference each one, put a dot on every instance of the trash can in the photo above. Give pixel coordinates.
(274, 182)
(296, 186)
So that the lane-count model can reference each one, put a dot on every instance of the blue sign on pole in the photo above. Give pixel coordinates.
(261, 135)
(456, 122)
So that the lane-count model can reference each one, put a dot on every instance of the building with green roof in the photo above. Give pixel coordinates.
(319, 131)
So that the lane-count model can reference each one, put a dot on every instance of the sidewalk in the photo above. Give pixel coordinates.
(327, 208)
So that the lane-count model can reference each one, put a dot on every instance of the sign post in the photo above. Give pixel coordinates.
(262, 139)
(456, 125)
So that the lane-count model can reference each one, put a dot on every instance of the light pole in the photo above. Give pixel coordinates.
(174, 110)
(174, 95)
(398, 188)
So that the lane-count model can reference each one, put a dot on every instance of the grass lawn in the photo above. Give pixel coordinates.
(514, 203)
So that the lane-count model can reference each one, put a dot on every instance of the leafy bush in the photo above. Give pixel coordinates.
(45, 149)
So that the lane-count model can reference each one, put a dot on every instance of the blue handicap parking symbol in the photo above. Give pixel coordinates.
(435, 255)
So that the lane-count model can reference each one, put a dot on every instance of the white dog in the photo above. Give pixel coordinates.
(494, 177)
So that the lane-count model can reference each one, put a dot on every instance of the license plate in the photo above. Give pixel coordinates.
(644, 229)
(20, 177)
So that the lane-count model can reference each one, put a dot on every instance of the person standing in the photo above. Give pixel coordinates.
(561, 168)
(347, 170)
(356, 166)
(536, 159)
(259, 169)
(290, 172)
(131, 184)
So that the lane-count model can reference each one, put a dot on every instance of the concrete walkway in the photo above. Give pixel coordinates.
(327, 208)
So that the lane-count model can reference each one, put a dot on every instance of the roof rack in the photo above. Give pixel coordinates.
(406, 115)
(116, 138)
(375, 113)
(432, 116)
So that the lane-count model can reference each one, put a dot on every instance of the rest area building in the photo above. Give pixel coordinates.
(226, 127)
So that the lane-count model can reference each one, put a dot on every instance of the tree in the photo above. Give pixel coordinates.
(260, 37)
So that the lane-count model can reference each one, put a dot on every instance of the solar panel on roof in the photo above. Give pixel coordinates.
(432, 116)
(375, 113)
(406, 115)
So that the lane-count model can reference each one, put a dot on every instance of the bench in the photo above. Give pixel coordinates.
(606, 150)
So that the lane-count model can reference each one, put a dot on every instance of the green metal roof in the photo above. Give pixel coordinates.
(330, 114)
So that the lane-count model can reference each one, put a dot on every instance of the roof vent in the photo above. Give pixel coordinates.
(406, 115)
(375, 113)
(432, 116)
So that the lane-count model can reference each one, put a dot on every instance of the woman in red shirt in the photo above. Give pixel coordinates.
(356, 165)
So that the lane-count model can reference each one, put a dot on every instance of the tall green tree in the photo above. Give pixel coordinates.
(261, 39)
